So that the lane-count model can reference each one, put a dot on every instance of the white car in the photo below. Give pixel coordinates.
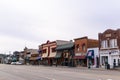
(18, 63)
(13, 63)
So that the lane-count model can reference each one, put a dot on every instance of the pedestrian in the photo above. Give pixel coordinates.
(56, 63)
(89, 64)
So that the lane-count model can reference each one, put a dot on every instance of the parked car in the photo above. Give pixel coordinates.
(13, 63)
(16, 63)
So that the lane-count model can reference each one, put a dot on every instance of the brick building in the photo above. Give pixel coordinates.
(81, 48)
(109, 47)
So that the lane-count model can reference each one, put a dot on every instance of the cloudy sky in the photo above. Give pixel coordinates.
(32, 22)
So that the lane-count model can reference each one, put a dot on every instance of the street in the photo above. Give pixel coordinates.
(28, 72)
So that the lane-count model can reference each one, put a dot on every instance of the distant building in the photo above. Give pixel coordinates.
(82, 45)
(2, 58)
(109, 46)
(8, 59)
(31, 56)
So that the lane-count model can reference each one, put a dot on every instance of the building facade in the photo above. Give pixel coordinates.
(49, 52)
(31, 56)
(81, 46)
(109, 48)
(2, 58)
(93, 57)
(66, 52)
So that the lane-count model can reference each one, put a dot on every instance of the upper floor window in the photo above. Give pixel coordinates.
(104, 44)
(77, 47)
(44, 51)
(53, 49)
(83, 47)
(113, 43)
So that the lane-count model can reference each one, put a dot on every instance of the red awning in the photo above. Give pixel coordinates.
(79, 57)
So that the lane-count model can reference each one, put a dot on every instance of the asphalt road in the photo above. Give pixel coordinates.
(24, 72)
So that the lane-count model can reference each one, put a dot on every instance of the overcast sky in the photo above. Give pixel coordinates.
(32, 22)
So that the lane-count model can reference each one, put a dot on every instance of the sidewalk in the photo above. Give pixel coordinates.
(86, 68)
(79, 67)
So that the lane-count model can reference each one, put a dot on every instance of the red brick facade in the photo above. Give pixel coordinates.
(81, 46)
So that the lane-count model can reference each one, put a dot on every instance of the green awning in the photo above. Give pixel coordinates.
(65, 46)
(58, 55)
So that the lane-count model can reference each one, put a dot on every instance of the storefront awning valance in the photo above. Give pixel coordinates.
(65, 46)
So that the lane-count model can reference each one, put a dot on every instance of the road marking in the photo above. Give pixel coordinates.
(49, 78)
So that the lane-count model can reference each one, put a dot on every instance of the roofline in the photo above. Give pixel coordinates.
(85, 37)
(93, 39)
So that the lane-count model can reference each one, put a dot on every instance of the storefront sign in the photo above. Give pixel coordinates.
(110, 52)
(108, 35)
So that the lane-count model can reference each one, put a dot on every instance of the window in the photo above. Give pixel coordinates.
(77, 46)
(53, 49)
(113, 43)
(104, 44)
(83, 47)
(44, 51)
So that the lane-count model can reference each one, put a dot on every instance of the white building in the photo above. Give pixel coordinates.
(109, 46)
(94, 53)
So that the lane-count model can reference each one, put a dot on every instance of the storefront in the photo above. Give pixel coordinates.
(35, 60)
(59, 58)
(80, 60)
(45, 58)
(111, 57)
(51, 59)
(93, 57)
(67, 54)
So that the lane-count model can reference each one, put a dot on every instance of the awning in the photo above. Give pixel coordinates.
(79, 57)
(32, 58)
(58, 55)
(90, 54)
(65, 46)
(38, 57)
(45, 55)
(52, 55)
(35, 58)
